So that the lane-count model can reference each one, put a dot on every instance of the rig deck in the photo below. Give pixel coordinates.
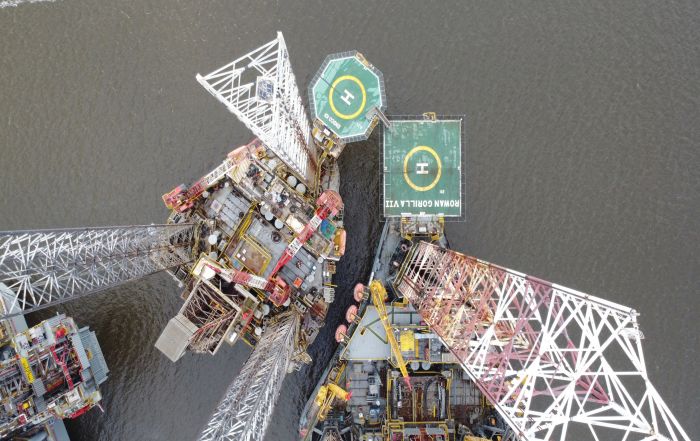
(48, 372)
(248, 215)
(361, 395)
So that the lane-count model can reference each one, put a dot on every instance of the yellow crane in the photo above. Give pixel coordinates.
(325, 397)
(378, 293)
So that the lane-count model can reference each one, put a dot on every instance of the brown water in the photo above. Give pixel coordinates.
(583, 141)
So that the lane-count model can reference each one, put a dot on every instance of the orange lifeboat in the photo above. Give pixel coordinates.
(359, 292)
(340, 333)
(351, 313)
(339, 242)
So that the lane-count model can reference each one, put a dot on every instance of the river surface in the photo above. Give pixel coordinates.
(582, 159)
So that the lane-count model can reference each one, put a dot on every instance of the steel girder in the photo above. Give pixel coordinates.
(556, 363)
(46, 267)
(260, 89)
(246, 409)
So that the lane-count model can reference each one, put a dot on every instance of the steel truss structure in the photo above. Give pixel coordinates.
(557, 363)
(246, 409)
(211, 312)
(47, 267)
(260, 89)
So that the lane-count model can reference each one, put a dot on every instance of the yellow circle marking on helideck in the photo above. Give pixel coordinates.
(414, 150)
(362, 89)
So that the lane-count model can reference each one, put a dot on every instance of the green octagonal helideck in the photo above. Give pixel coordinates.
(344, 93)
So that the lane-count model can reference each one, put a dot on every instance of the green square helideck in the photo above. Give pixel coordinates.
(423, 168)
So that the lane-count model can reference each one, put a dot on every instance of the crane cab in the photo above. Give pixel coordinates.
(279, 295)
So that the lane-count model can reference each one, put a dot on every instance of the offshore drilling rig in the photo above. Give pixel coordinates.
(254, 243)
(48, 372)
(444, 346)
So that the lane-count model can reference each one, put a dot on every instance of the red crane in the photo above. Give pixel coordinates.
(276, 288)
(328, 205)
(182, 198)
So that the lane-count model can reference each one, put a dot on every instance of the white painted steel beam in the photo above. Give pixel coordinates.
(260, 89)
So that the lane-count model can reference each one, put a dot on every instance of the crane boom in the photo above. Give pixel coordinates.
(556, 363)
(378, 293)
(245, 410)
(47, 267)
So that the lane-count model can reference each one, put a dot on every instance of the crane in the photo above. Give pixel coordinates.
(276, 288)
(378, 293)
(328, 205)
(327, 394)
(553, 361)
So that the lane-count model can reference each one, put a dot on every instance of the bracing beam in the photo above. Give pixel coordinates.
(556, 363)
(245, 410)
(46, 267)
(260, 89)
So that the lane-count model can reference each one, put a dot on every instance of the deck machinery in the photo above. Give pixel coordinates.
(261, 246)
(48, 372)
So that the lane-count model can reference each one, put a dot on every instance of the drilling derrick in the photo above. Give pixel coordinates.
(246, 408)
(260, 89)
(556, 363)
(46, 267)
